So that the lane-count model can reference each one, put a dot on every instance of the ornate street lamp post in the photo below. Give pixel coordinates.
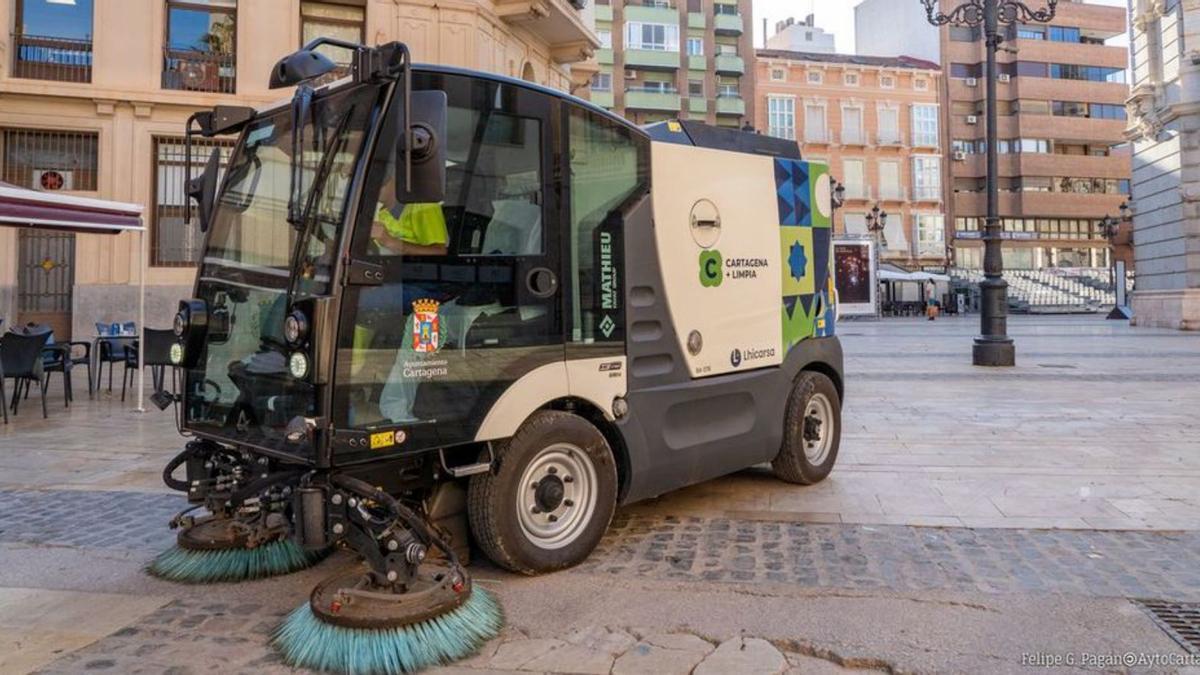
(1110, 228)
(993, 347)
(876, 221)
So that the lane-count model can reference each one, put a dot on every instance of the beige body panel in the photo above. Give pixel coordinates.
(742, 312)
(597, 381)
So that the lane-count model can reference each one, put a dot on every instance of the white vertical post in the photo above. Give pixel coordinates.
(141, 352)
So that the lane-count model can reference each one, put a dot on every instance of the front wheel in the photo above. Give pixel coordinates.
(549, 498)
(812, 431)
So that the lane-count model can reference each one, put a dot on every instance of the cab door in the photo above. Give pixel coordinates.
(470, 298)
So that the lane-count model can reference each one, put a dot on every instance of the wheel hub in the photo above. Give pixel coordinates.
(818, 429)
(558, 497)
(550, 493)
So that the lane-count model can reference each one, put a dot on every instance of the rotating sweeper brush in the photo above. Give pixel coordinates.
(402, 613)
(245, 534)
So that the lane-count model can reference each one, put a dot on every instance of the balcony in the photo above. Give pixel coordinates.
(604, 13)
(667, 15)
(696, 20)
(817, 136)
(651, 59)
(888, 139)
(728, 24)
(858, 193)
(853, 138)
(188, 70)
(927, 194)
(652, 99)
(697, 104)
(558, 22)
(731, 105)
(697, 63)
(892, 193)
(605, 56)
(730, 64)
(51, 58)
(604, 99)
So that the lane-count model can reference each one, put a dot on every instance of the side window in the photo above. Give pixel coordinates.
(608, 174)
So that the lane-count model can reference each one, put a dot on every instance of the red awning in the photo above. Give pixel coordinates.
(20, 207)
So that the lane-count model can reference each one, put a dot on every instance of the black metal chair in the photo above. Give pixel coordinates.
(21, 360)
(157, 357)
(61, 357)
(112, 352)
(3, 395)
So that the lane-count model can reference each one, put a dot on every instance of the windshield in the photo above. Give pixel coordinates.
(254, 257)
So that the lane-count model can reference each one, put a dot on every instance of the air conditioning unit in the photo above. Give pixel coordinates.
(960, 156)
(971, 82)
(1004, 77)
(630, 74)
(972, 119)
(52, 180)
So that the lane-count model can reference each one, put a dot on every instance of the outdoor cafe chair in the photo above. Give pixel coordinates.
(21, 361)
(110, 347)
(157, 357)
(61, 357)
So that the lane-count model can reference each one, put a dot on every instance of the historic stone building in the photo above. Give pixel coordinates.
(1164, 126)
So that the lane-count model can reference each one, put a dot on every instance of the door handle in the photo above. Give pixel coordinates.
(541, 282)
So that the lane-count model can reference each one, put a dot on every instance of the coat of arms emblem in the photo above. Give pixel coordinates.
(425, 330)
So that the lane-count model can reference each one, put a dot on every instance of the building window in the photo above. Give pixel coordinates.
(606, 39)
(1064, 34)
(852, 126)
(920, 84)
(728, 50)
(931, 234)
(964, 34)
(327, 19)
(854, 178)
(889, 180)
(50, 160)
(201, 49)
(602, 82)
(695, 46)
(889, 126)
(925, 126)
(1069, 71)
(781, 117)
(814, 124)
(728, 90)
(927, 178)
(1031, 33)
(175, 242)
(724, 9)
(53, 40)
(778, 74)
(815, 77)
(696, 88)
(887, 82)
(856, 223)
(659, 37)
(850, 79)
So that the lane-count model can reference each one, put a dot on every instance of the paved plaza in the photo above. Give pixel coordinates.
(977, 521)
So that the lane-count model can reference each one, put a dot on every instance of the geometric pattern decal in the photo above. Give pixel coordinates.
(802, 192)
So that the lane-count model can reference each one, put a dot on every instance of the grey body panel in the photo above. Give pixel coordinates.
(680, 430)
(685, 433)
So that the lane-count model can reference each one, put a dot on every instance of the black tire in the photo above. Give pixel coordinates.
(793, 464)
(493, 498)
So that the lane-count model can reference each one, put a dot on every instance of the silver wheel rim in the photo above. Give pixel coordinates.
(818, 429)
(549, 523)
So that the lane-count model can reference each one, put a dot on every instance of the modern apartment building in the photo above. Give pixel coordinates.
(1064, 163)
(95, 94)
(876, 121)
(894, 28)
(665, 59)
(802, 36)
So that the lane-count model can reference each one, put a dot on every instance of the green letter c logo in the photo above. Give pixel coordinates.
(710, 269)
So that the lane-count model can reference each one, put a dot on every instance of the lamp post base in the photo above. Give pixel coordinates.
(994, 353)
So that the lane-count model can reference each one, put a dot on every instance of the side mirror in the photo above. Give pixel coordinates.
(203, 188)
(426, 159)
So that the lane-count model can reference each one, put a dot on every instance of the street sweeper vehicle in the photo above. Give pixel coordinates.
(438, 307)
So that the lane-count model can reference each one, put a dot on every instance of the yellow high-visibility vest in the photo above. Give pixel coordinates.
(419, 224)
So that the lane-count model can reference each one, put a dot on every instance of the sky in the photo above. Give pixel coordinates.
(835, 16)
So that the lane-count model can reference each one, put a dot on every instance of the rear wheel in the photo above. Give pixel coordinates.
(812, 431)
(549, 498)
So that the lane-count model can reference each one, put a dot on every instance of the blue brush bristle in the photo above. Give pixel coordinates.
(240, 564)
(306, 641)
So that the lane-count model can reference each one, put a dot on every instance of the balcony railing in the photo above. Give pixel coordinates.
(49, 58)
(652, 99)
(816, 136)
(888, 138)
(853, 138)
(893, 194)
(731, 104)
(189, 70)
(858, 192)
